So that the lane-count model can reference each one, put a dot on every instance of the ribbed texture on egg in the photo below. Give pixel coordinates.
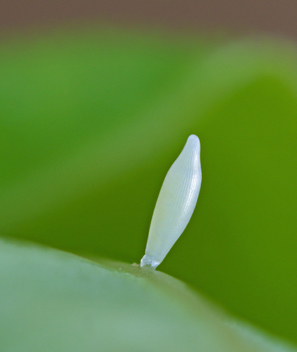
(175, 204)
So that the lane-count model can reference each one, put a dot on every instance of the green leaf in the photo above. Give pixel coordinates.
(55, 301)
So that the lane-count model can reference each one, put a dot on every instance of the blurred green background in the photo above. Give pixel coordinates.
(90, 122)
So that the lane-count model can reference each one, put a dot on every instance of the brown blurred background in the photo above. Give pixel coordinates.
(277, 17)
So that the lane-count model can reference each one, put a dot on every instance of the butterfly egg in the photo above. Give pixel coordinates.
(175, 204)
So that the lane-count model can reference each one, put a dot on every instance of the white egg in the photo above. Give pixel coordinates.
(175, 204)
